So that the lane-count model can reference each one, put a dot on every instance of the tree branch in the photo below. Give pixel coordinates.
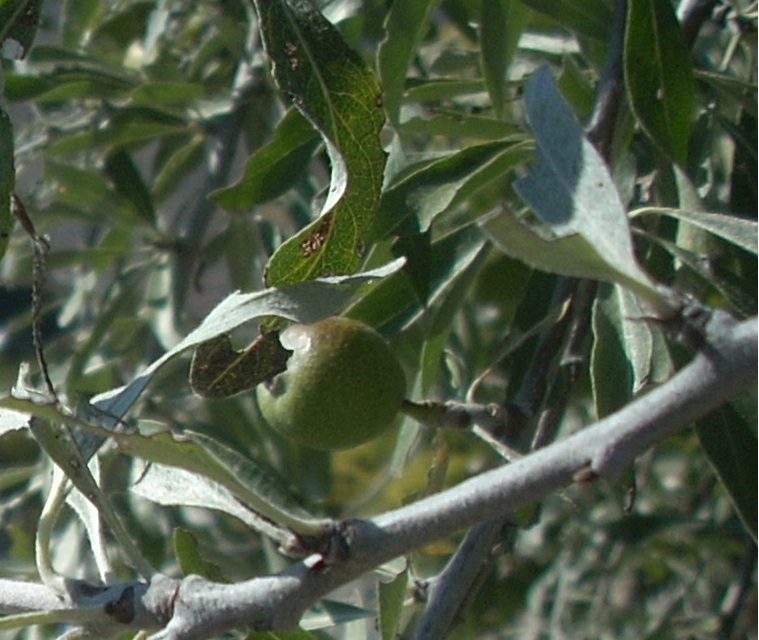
(196, 608)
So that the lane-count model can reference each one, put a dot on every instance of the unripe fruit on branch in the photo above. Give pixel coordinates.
(342, 387)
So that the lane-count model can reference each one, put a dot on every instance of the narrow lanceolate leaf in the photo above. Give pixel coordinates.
(570, 190)
(331, 85)
(589, 18)
(729, 440)
(405, 27)
(501, 25)
(7, 180)
(274, 168)
(738, 231)
(623, 343)
(431, 187)
(253, 485)
(658, 75)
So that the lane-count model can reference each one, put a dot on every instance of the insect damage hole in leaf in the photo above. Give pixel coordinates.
(218, 370)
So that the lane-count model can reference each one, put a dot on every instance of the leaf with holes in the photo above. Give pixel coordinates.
(331, 85)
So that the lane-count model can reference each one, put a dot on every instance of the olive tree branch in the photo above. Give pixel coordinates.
(722, 368)
(196, 608)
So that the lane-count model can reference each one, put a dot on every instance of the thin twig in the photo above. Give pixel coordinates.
(41, 247)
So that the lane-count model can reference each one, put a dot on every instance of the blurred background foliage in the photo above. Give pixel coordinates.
(131, 119)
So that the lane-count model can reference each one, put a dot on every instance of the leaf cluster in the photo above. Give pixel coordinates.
(521, 195)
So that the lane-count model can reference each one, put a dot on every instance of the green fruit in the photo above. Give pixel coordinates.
(342, 386)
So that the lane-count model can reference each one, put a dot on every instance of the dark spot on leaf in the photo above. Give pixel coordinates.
(317, 237)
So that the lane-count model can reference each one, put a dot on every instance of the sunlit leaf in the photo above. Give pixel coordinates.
(250, 483)
(335, 89)
(572, 193)
(738, 231)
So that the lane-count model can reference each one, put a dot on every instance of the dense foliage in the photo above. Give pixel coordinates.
(174, 152)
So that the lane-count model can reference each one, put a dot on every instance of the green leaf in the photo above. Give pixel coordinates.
(730, 442)
(69, 84)
(128, 182)
(18, 26)
(392, 595)
(306, 302)
(273, 169)
(591, 18)
(457, 125)
(439, 89)
(429, 188)
(405, 26)
(571, 191)
(501, 26)
(7, 180)
(658, 75)
(253, 485)
(623, 342)
(188, 554)
(738, 231)
(173, 486)
(328, 613)
(333, 87)
(219, 371)
(133, 125)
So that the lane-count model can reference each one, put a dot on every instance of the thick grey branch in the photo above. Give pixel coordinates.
(196, 608)
(725, 366)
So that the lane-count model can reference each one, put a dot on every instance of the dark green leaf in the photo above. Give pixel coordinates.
(71, 85)
(392, 595)
(501, 26)
(623, 344)
(658, 75)
(405, 26)
(219, 371)
(7, 180)
(333, 87)
(274, 168)
(128, 182)
(729, 439)
(591, 18)
(442, 89)
(457, 125)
